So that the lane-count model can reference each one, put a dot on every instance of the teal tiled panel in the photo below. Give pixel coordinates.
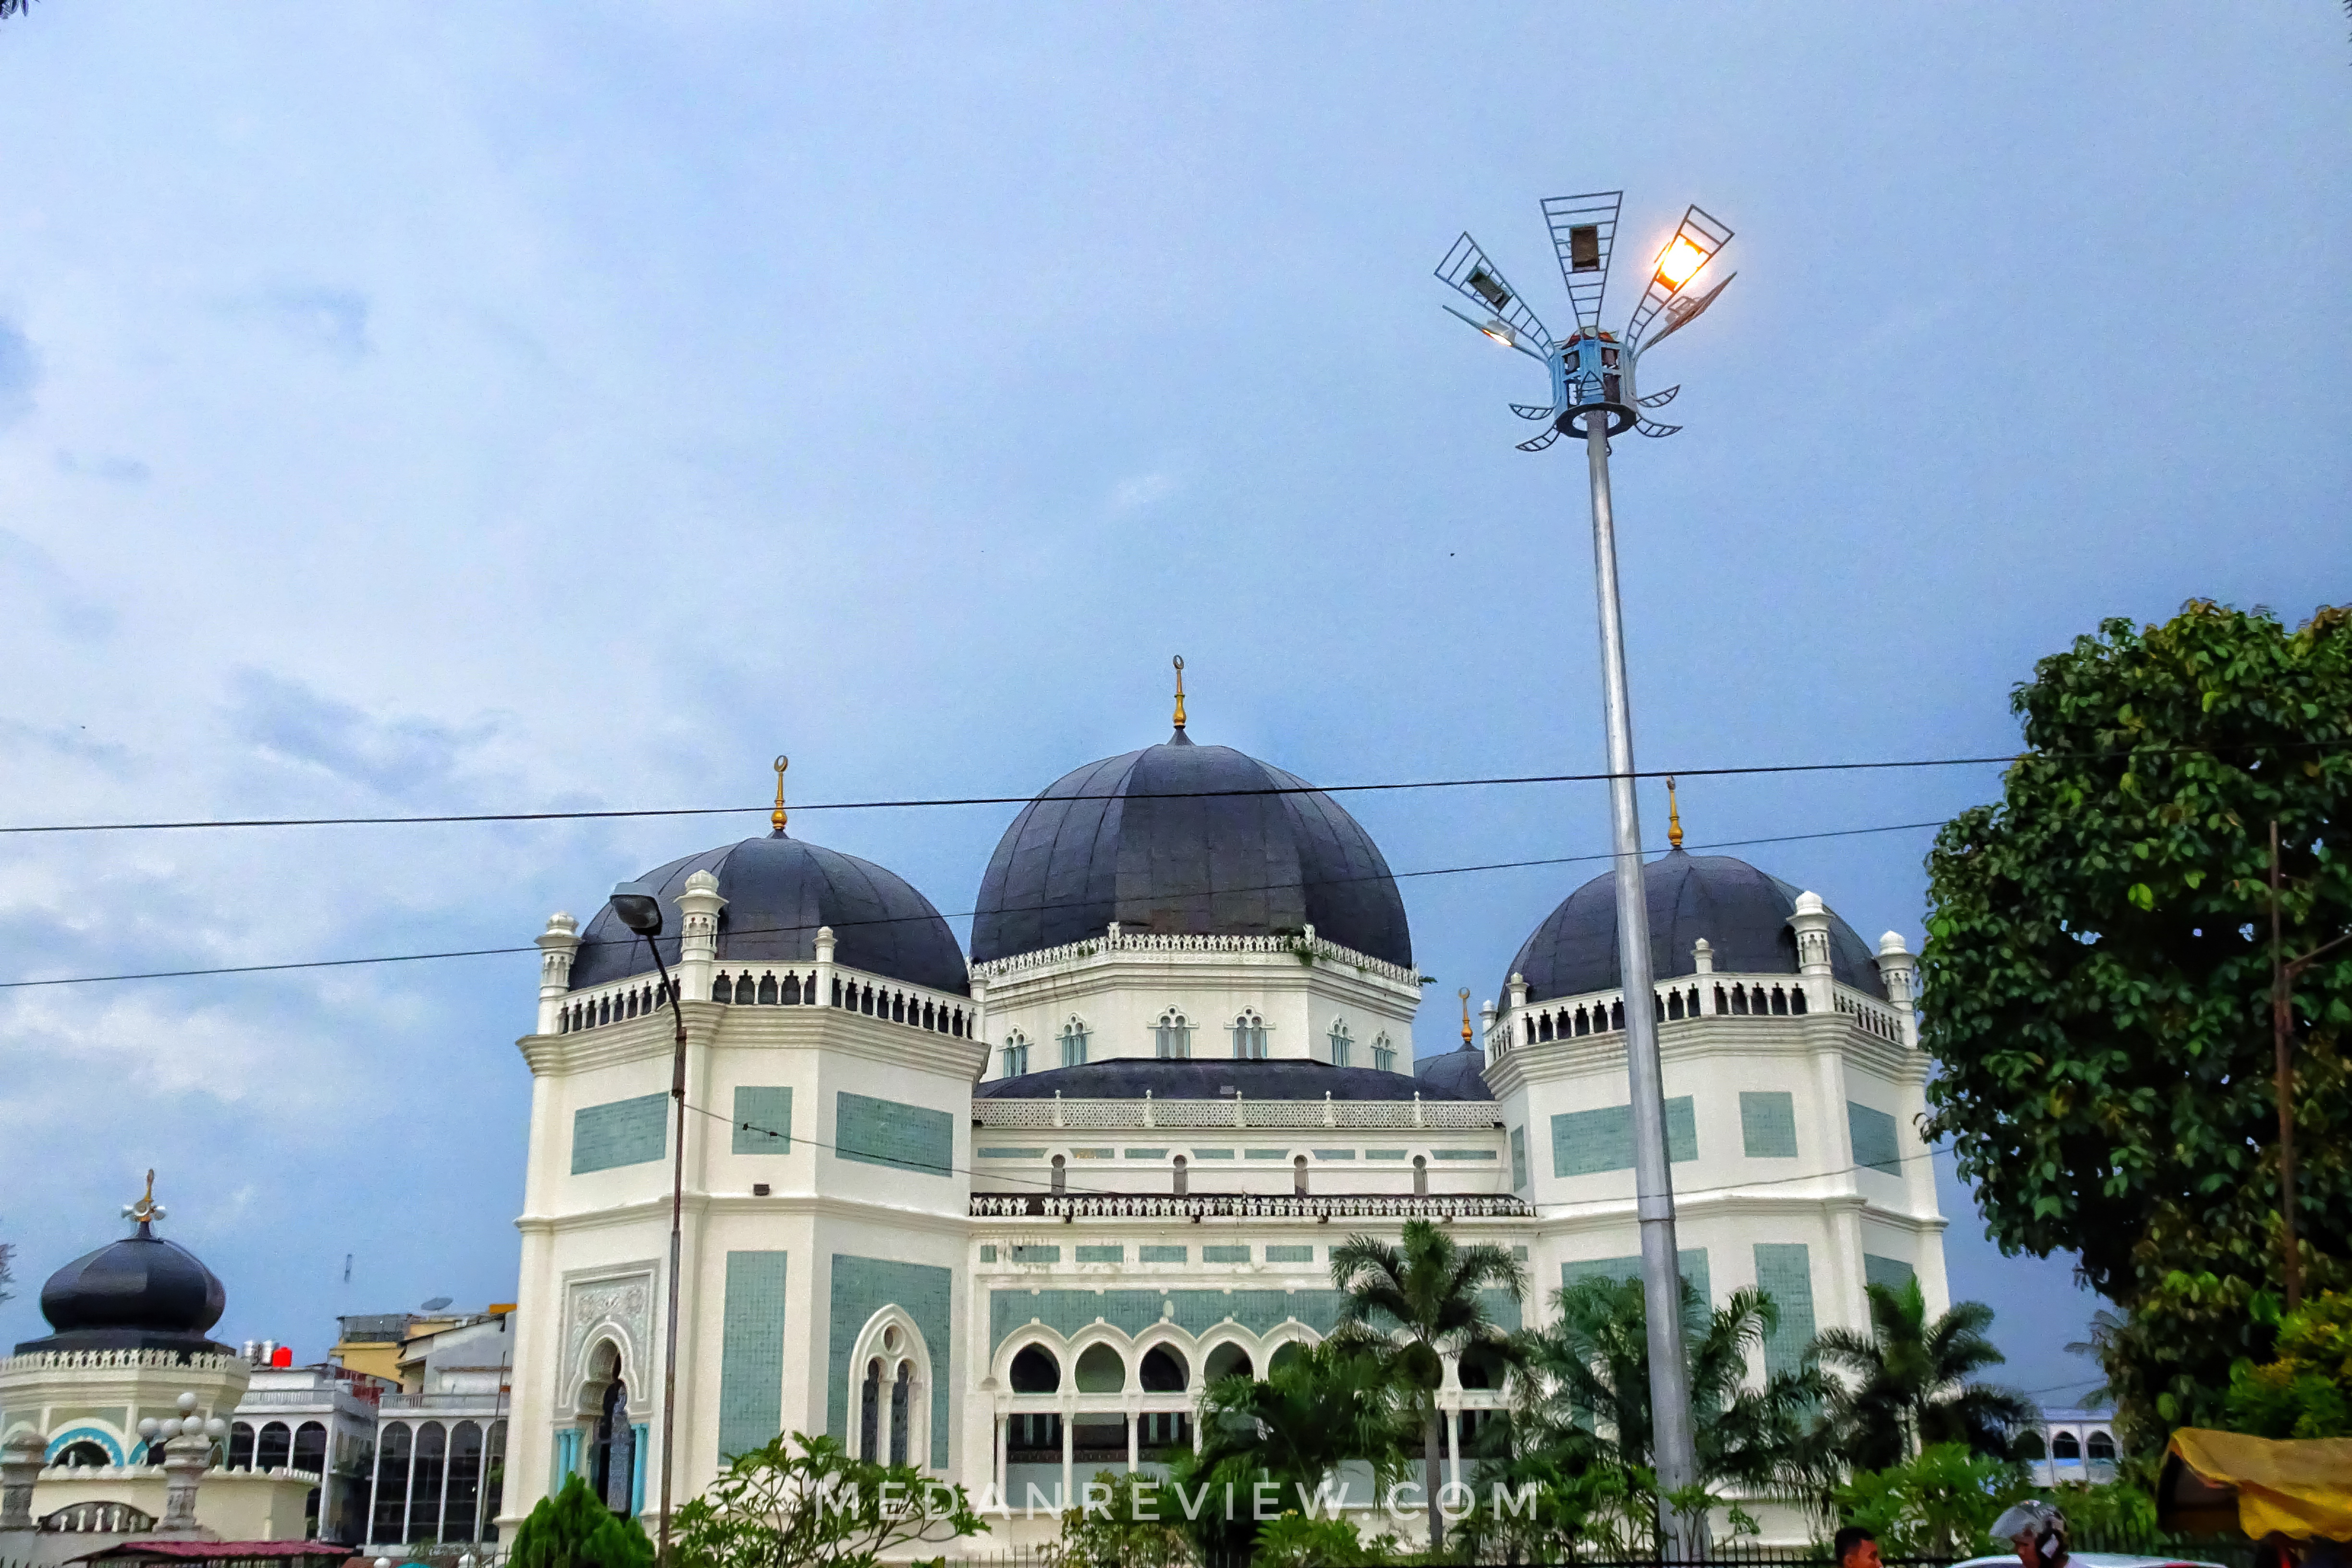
(1148, 1253)
(1036, 1253)
(1317, 1310)
(1692, 1261)
(1146, 1153)
(864, 1286)
(1875, 1147)
(1518, 1157)
(751, 1352)
(885, 1133)
(1784, 1272)
(1461, 1155)
(1767, 1124)
(1212, 1154)
(1335, 1153)
(1010, 1154)
(1502, 1307)
(764, 1122)
(1587, 1143)
(1102, 1255)
(1290, 1254)
(1520, 1253)
(1094, 1154)
(1384, 1153)
(619, 1132)
(988, 1253)
(1267, 1153)
(1224, 1255)
(1891, 1272)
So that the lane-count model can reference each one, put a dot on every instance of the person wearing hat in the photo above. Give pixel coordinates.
(2037, 1530)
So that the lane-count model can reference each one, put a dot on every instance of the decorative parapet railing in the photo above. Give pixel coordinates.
(1308, 946)
(1242, 1205)
(775, 985)
(1689, 997)
(325, 1397)
(79, 1361)
(1441, 1115)
(394, 1403)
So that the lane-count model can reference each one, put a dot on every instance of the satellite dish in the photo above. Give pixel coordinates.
(435, 1304)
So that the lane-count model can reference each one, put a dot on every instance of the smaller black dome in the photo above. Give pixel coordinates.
(1742, 912)
(140, 1293)
(1457, 1075)
(779, 891)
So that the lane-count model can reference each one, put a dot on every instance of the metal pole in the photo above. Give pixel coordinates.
(2282, 1049)
(1675, 1450)
(676, 1208)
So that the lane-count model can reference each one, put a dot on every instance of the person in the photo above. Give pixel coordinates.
(1855, 1547)
(2037, 1530)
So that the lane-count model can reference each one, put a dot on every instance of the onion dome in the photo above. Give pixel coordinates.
(1182, 839)
(1455, 1075)
(1130, 1077)
(1742, 912)
(141, 1292)
(779, 891)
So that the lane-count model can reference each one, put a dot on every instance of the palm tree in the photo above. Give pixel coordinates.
(1588, 1390)
(1419, 1301)
(1912, 1382)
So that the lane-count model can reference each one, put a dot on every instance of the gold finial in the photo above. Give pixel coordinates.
(146, 1210)
(1180, 691)
(777, 816)
(1465, 995)
(1673, 815)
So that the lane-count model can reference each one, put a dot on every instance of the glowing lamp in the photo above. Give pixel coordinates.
(1681, 259)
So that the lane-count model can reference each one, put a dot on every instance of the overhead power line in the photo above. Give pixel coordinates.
(845, 925)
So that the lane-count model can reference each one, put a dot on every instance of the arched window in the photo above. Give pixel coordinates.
(1180, 1176)
(1061, 1176)
(1100, 1370)
(901, 1387)
(2065, 1446)
(1721, 1005)
(1016, 1053)
(1035, 1371)
(1074, 1043)
(1419, 1176)
(2100, 1449)
(1227, 1361)
(1674, 1003)
(1540, 1030)
(424, 1480)
(722, 989)
(310, 1448)
(1171, 1038)
(87, 1454)
(792, 990)
(392, 1484)
(1779, 1001)
(869, 1420)
(1298, 1176)
(1341, 1043)
(613, 1461)
(1617, 1014)
(240, 1446)
(273, 1445)
(465, 1481)
(1383, 1054)
(1795, 999)
(1162, 1370)
(1249, 1036)
(768, 990)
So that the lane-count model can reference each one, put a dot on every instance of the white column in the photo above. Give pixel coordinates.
(1454, 1442)
(1812, 924)
(1134, 1447)
(697, 935)
(1002, 1425)
(1900, 972)
(558, 945)
(1069, 1452)
(824, 966)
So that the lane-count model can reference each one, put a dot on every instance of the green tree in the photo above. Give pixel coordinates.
(1914, 1381)
(804, 1500)
(2306, 1392)
(2098, 980)
(1940, 1502)
(1113, 1527)
(574, 1530)
(1585, 1400)
(1318, 1407)
(1424, 1299)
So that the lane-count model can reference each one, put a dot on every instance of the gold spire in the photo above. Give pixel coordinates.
(1180, 691)
(777, 816)
(1465, 995)
(1673, 815)
(146, 1211)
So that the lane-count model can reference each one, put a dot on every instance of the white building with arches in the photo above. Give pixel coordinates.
(1004, 1214)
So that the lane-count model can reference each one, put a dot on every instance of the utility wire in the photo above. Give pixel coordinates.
(895, 920)
(2133, 754)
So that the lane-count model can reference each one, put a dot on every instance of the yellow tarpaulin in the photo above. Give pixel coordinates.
(2301, 1488)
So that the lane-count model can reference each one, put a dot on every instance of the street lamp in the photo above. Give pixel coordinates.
(638, 906)
(1594, 395)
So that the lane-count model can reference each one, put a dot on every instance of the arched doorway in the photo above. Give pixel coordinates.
(612, 1460)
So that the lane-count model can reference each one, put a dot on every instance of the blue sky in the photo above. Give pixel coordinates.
(449, 409)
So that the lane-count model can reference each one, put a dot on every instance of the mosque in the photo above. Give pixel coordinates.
(1004, 1215)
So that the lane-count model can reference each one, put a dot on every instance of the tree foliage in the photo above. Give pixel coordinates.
(1417, 1301)
(1941, 1502)
(804, 1500)
(574, 1530)
(1913, 1382)
(2097, 974)
(1114, 1527)
(2306, 1392)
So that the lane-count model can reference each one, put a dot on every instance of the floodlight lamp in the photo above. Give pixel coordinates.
(1681, 259)
(1496, 330)
(638, 909)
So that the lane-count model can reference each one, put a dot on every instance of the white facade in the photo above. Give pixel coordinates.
(883, 1240)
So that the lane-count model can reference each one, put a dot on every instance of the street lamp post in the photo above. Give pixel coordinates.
(1593, 395)
(638, 905)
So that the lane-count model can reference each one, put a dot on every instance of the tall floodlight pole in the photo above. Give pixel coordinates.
(1594, 395)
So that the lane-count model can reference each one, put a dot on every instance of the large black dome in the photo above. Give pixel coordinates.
(140, 1293)
(778, 891)
(1180, 838)
(1742, 912)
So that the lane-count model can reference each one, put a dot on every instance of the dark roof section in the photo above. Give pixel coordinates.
(1456, 1075)
(778, 891)
(1167, 841)
(1129, 1077)
(1742, 912)
(140, 1293)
